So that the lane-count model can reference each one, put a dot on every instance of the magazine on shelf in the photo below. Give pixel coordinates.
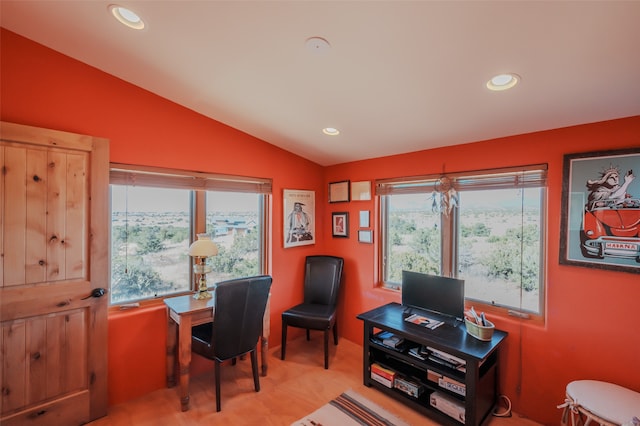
(417, 353)
(424, 321)
(446, 356)
(389, 339)
(393, 341)
(442, 362)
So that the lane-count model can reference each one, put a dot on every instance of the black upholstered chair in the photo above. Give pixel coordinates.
(322, 276)
(237, 325)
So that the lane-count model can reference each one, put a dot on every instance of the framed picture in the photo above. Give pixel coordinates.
(364, 218)
(365, 236)
(339, 191)
(361, 191)
(340, 224)
(601, 210)
(299, 218)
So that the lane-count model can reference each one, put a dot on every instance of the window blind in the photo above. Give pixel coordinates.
(124, 174)
(529, 176)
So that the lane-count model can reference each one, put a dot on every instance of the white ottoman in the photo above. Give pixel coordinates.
(603, 402)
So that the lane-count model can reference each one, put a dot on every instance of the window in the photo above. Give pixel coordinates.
(484, 227)
(150, 232)
(233, 219)
(499, 254)
(413, 237)
(156, 214)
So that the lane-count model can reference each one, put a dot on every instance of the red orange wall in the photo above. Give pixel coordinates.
(590, 329)
(43, 88)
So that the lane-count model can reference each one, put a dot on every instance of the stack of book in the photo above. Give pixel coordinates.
(419, 352)
(446, 359)
(389, 339)
(447, 382)
(383, 375)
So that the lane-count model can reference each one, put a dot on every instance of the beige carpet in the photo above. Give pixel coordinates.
(348, 409)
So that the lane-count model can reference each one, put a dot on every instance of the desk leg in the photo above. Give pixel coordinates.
(184, 359)
(172, 330)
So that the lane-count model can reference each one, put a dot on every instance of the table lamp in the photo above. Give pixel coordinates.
(200, 250)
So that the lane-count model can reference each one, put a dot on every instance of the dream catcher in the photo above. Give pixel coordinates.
(444, 196)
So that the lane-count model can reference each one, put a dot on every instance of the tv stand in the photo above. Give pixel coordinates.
(462, 387)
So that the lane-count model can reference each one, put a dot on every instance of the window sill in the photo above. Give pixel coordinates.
(503, 313)
(141, 304)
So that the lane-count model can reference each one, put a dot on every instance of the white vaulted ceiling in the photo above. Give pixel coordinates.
(399, 76)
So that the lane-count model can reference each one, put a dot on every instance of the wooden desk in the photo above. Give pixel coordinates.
(184, 313)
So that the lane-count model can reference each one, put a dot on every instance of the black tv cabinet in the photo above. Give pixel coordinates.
(479, 377)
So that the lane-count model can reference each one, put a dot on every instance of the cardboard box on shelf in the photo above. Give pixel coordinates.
(382, 371)
(448, 405)
(382, 380)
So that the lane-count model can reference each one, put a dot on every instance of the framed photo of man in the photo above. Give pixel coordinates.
(299, 218)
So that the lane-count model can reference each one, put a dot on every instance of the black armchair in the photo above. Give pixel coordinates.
(237, 325)
(322, 278)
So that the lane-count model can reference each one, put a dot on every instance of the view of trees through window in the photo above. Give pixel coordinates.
(413, 232)
(498, 243)
(499, 248)
(151, 231)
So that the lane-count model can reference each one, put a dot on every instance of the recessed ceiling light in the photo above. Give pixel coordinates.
(330, 131)
(127, 17)
(503, 82)
(317, 45)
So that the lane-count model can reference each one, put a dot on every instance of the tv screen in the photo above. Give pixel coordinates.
(441, 295)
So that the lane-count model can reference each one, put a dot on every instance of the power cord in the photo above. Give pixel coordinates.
(507, 411)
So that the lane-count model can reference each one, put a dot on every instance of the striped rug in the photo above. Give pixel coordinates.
(350, 409)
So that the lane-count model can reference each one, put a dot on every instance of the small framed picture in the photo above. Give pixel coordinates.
(340, 225)
(339, 191)
(361, 191)
(364, 218)
(365, 236)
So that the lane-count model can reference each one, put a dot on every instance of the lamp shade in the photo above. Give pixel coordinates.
(203, 247)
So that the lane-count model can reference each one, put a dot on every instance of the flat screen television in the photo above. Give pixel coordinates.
(433, 293)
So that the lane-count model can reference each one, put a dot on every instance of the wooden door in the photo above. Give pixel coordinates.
(54, 255)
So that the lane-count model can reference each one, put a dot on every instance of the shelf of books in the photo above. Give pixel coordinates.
(447, 384)
(428, 376)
